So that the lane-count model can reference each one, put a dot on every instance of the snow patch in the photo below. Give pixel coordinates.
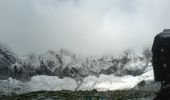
(37, 83)
(112, 82)
(53, 83)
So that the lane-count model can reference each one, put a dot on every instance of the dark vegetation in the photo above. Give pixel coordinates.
(82, 95)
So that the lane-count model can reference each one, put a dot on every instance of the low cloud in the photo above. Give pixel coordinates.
(83, 26)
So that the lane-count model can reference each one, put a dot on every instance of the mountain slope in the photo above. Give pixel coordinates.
(64, 63)
(20, 74)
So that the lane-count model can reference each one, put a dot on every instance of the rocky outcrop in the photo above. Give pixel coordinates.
(7, 58)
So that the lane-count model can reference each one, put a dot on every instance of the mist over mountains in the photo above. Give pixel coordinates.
(64, 63)
(65, 70)
(82, 26)
(123, 30)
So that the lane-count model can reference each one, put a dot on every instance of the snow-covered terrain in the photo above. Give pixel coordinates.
(53, 83)
(112, 82)
(37, 83)
(64, 63)
(64, 70)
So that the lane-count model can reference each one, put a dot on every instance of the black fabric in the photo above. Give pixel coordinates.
(161, 57)
(155, 59)
(163, 94)
(161, 63)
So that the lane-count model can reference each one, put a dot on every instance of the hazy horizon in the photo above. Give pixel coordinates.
(91, 27)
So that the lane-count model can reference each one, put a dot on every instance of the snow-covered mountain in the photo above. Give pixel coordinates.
(63, 68)
(64, 63)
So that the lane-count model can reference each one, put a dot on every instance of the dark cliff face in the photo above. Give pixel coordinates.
(64, 63)
(7, 58)
(7, 55)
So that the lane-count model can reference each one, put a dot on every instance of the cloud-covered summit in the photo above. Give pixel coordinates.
(85, 26)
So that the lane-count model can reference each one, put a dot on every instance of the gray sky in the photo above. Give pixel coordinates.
(83, 26)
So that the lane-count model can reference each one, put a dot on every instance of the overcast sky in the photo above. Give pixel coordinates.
(83, 26)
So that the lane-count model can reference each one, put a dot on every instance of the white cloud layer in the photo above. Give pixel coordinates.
(84, 26)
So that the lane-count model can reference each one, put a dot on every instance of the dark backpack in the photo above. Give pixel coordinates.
(161, 56)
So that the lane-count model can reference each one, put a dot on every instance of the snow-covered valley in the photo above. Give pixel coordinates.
(64, 70)
(53, 83)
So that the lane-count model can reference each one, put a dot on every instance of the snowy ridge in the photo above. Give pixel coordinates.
(60, 70)
(64, 63)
